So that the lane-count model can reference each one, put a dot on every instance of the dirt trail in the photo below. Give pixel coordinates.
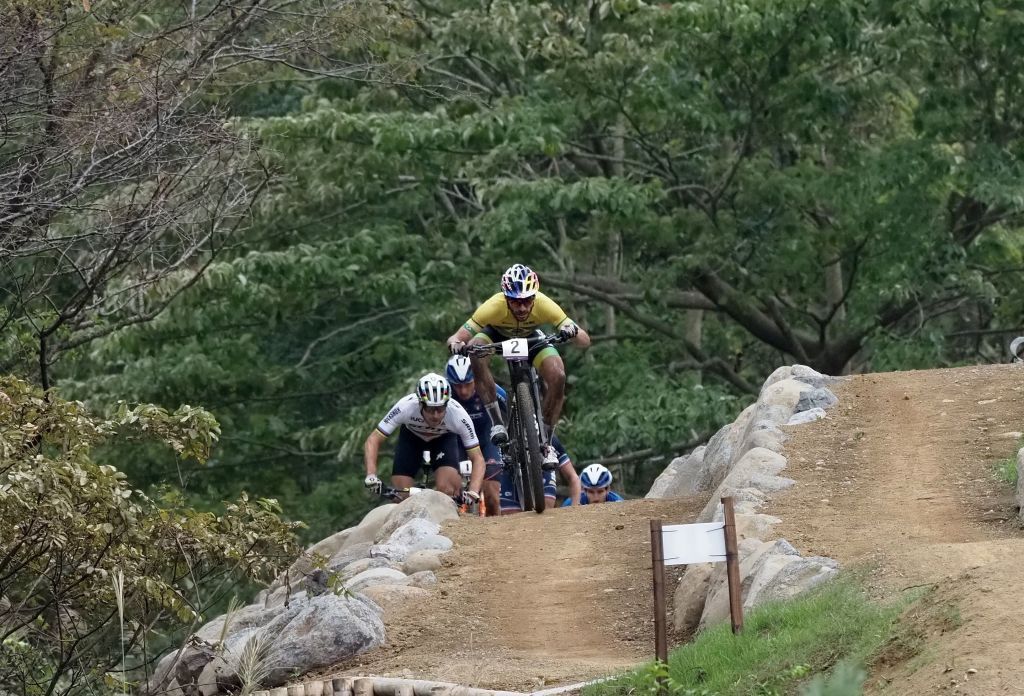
(530, 600)
(899, 479)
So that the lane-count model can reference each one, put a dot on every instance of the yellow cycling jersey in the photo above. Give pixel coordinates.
(495, 312)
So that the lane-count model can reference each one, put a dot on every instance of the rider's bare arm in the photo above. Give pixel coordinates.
(461, 336)
(476, 477)
(581, 339)
(572, 480)
(371, 448)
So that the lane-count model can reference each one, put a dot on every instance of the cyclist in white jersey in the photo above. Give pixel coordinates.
(429, 421)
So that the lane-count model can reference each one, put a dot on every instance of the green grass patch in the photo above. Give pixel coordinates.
(1006, 470)
(785, 648)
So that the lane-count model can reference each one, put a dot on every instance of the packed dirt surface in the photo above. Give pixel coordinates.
(899, 480)
(526, 601)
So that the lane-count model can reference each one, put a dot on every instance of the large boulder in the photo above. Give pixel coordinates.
(250, 616)
(369, 528)
(812, 377)
(757, 469)
(422, 560)
(430, 505)
(376, 576)
(769, 571)
(690, 595)
(405, 538)
(682, 477)
(318, 633)
(819, 397)
(356, 567)
(390, 596)
(350, 554)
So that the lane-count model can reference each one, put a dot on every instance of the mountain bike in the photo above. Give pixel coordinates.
(466, 505)
(523, 455)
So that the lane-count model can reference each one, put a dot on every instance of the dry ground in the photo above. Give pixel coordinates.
(898, 481)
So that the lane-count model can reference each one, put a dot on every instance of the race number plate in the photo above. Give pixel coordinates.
(515, 348)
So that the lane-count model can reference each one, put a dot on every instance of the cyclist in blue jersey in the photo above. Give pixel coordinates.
(459, 372)
(510, 501)
(597, 486)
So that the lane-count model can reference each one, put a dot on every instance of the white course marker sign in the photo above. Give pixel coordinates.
(681, 544)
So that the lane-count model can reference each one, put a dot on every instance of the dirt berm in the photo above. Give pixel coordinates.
(898, 480)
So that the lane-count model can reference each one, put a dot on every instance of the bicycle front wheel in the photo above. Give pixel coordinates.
(533, 461)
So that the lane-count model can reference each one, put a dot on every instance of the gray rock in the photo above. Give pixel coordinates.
(315, 583)
(423, 579)
(682, 477)
(390, 596)
(349, 554)
(812, 377)
(808, 416)
(430, 505)
(766, 435)
(393, 553)
(422, 560)
(376, 576)
(754, 553)
(367, 530)
(356, 567)
(249, 616)
(303, 565)
(282, 596)
(404, 539)
(217, 677)
(781, 373)
(820, 397)
(319, 633)
(432, 543)
(754, 471)
(690, 595)
(184, 669)
(783, 577)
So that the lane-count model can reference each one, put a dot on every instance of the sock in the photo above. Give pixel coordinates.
(494, 411)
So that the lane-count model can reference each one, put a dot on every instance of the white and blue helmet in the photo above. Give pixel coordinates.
(459, 370)
(596, 476)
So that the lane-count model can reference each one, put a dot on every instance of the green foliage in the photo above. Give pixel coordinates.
(781, 646)
(90, 566)
(809, 174)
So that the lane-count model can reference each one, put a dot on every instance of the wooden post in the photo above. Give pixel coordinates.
(658, 567)
(314, 688)
(296, 690)
(732, 566)
(342, 686)
(405, 690)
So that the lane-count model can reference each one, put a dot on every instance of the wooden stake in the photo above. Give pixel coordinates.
(732, 566)
(658, 566)
(363, 687)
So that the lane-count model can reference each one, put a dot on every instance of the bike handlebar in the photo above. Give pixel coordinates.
(481, 351)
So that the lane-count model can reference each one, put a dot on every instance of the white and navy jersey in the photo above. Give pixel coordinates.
(407, 412)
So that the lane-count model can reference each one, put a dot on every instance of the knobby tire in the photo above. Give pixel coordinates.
(533, 463)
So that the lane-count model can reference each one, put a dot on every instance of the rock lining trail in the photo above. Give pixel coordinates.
(897, 480)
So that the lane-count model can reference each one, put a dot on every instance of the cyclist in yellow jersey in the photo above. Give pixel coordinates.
(517, 312)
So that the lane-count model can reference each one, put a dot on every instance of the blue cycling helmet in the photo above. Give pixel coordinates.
(459, 370)
(596, 476)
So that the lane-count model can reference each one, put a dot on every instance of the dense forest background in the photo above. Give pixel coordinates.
(278, 210)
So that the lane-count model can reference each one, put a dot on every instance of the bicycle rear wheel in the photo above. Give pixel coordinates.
(533, 461)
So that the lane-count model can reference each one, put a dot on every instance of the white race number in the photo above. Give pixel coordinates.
(515, 348)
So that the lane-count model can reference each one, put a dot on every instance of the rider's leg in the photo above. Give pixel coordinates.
(486, 387)
(492, 479)
(445, 458)
(550, 489)
(408, 459)
(552, 371)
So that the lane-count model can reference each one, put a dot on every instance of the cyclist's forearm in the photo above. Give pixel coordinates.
(463, 335)
(476, 477)
(371, 448)
(581, 339)
(575, 487)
